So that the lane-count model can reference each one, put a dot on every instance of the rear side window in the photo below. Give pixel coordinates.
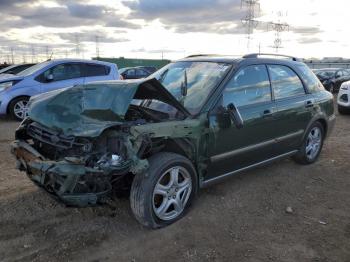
(96, 70)
(310, 79)
(285, 82)
(249, 86)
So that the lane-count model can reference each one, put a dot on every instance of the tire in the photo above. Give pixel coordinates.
(343, 110)
(306, 155)
(145, 202)
(17, 108)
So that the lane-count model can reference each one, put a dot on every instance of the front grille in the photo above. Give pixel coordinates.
(51, 137)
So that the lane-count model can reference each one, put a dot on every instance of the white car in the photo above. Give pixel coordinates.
(343, 99)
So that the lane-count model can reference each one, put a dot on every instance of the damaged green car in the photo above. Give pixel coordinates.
(190, 124)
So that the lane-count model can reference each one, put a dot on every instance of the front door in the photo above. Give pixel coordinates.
(62, 75)
(232, 148)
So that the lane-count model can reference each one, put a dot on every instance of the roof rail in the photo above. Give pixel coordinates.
(200, 55)
(255, 55)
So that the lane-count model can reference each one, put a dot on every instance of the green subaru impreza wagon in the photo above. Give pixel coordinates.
(192, 123)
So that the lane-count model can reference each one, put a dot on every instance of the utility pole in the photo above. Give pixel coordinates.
(33, 53)
(249, 21)
(77, 45)
(47, 52)
(278, 27)
(97, 43)
(12, 57)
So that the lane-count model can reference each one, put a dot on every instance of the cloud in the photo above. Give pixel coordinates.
(306, 30)
(155, 51)
(68, 14)
(309, 40)
(183, 16)
(90, 36)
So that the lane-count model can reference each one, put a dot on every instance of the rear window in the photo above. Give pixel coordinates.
(96, 70)
(310, 79)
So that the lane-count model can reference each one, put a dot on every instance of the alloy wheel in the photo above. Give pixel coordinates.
(171, 193)
(313, 143)
(20, 109)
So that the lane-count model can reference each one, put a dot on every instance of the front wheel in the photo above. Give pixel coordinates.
(312, 145)
(18, 108)
(163, 194)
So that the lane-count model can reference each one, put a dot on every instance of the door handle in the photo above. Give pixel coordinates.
(309, 103)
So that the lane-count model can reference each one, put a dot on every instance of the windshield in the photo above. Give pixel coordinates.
(325, 73)
(189, 82)
(4, 70)
(122, 70)
(33, 69)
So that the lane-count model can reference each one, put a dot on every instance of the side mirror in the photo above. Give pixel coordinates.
(49, 78)
(235, 116)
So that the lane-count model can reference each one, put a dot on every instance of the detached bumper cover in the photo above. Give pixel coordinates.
(70, 182)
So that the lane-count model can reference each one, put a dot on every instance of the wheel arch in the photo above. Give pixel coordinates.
(13, 99)
(322, 120)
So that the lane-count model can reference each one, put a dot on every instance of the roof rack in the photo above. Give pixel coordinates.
(255, 55)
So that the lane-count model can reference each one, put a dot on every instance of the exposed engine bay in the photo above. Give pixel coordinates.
(106, 162)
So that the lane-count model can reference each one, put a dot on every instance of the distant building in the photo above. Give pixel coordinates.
(132, 62)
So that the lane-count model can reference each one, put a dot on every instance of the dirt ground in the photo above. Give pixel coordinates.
(242, 219)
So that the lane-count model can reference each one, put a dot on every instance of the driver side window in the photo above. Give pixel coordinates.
(64, 72)
(250, 85)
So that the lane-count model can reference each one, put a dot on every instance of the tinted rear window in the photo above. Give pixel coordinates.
(96, 70)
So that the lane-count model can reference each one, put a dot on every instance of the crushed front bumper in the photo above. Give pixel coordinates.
(71, 182)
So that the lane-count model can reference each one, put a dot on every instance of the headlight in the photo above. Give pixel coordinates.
(5, 85)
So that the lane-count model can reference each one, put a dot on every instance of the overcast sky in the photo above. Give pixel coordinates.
(148, 28)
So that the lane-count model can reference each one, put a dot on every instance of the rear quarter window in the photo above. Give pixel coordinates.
(310, 79)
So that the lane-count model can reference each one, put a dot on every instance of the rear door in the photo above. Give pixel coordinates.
(232, 148)
(96, 72)
(294, 107)
(64, 75)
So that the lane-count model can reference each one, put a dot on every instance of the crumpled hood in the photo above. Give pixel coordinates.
(86, 110)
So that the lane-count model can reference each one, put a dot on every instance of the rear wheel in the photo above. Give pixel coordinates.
(163, 194)
(18, 108)
(312, 145)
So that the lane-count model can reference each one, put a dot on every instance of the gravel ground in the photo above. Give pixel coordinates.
(242, 219)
